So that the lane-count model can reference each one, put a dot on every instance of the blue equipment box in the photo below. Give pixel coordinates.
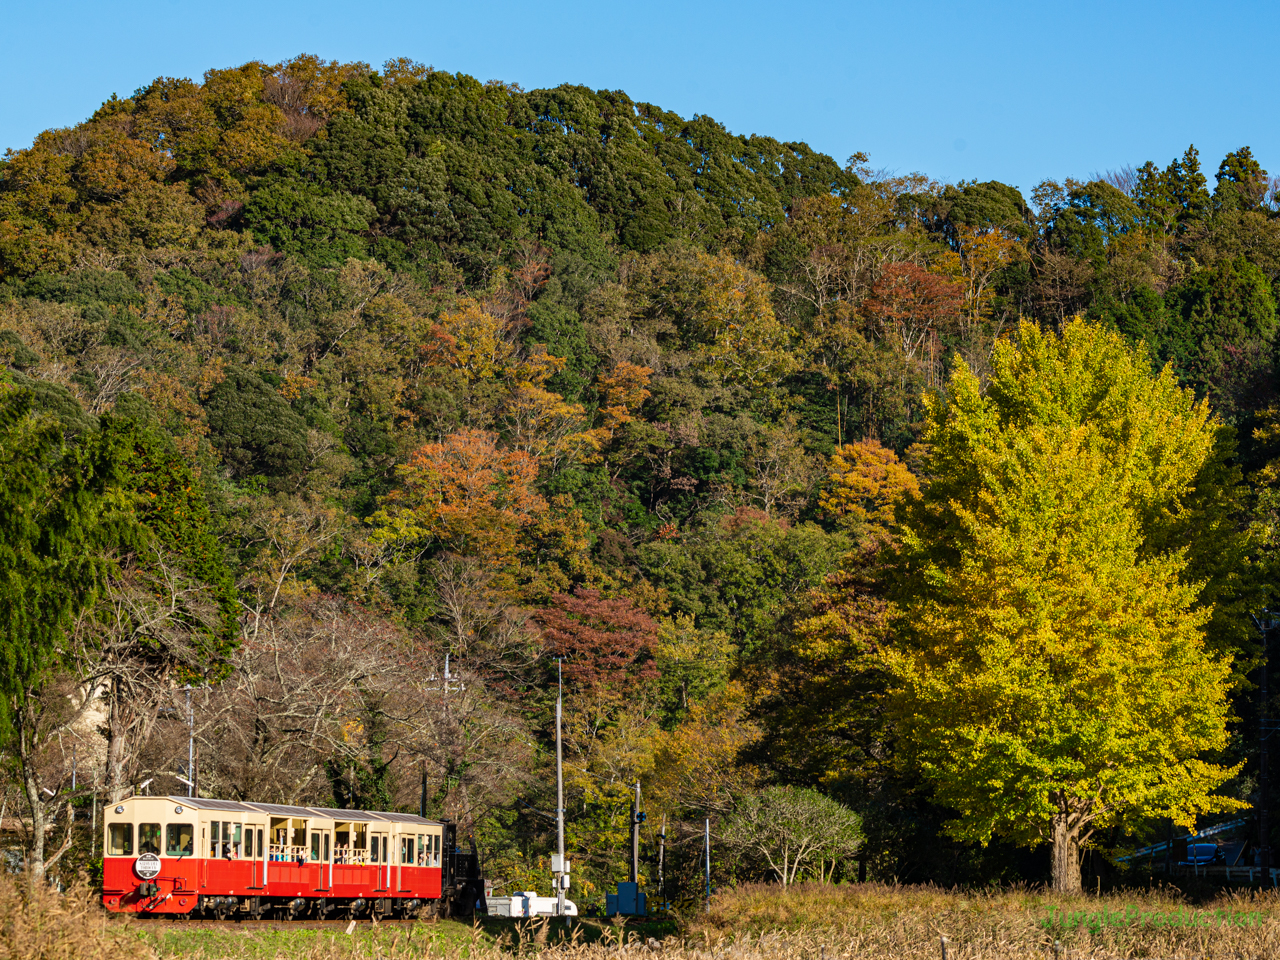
(628, 901)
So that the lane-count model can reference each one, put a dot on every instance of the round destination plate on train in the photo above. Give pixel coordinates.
(147, 866)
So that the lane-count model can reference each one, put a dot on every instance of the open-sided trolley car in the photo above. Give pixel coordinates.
(184, 855)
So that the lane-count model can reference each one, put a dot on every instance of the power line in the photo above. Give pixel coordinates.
(535, 809)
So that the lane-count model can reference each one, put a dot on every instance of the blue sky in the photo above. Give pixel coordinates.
(1009, 91)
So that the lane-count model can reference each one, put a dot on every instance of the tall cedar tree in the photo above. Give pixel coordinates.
(60, 510)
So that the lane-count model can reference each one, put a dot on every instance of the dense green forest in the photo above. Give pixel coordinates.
(315, 374)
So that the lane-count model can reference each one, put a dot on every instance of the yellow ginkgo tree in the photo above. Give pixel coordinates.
(1051, 675)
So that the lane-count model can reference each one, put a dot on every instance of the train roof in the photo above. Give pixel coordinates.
(284, 810)
(355, 816)
(281, 810)
(404, 818)
(200, 803)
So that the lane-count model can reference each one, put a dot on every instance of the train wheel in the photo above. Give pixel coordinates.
(401, 907)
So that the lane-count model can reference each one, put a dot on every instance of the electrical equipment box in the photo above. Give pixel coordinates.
(629, 901)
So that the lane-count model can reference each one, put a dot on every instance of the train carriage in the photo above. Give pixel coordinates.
(184, 855)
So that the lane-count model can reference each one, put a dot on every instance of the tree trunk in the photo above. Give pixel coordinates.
(42, 812)
(1066, 854)
(115, 776)
(35, 727)
(132, 711)
(35, 853)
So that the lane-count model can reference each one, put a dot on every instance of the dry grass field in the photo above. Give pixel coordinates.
(879, 921)
(811, 922)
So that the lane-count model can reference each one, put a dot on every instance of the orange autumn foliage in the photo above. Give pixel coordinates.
(465, 494)
(866, 481)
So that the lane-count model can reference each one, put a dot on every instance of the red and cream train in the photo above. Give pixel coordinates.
(185, 855)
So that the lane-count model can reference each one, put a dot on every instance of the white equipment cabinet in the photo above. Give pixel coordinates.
(527, 903)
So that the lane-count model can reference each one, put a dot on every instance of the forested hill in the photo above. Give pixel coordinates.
(413, 167)
(413, 364)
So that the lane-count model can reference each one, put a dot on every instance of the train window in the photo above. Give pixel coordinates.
(237, 836)
(315, 847)
(326, 848)
(120, 840)
(386, 849)
(280, 840)
(435, 859)
(248, 843)
(262, 851)
(421, 851)
(214, 833)
(373, 849)
(149, 838)
(178, 840)
(406, 850)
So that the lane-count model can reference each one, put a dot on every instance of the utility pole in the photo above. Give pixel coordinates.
(662, 851)
(422, 800)
(559, 864)
(191, 746)
(1264, 781)
(707, 834)
(635, 837)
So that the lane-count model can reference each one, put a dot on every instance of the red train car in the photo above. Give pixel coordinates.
(184, 855)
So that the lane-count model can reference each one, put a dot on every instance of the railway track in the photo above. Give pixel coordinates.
(179, 920)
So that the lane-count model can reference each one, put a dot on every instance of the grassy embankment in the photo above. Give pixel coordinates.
(754, 923)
